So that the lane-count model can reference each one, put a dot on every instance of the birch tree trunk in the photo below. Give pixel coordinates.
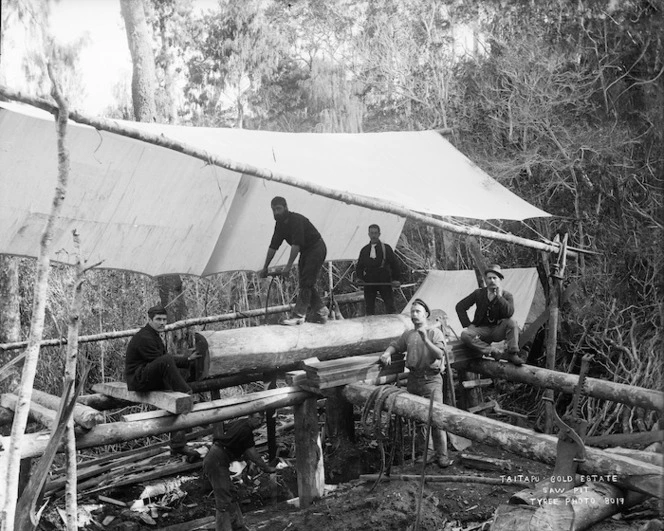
(70, 376)
(9, 495)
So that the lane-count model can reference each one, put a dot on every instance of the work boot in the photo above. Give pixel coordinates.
(223, 521)
(443, 461)
(321, 316)
(293, 321)
(513, 357)
(237, 519)
(496, 353)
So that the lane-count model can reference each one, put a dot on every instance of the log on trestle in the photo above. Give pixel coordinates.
(266, 348)
(116, 432)
(566, 383)
(631, 473)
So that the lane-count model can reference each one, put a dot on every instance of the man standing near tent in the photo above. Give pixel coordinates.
(236, 443)
(377, 271)
(492, 321)
(147, 365)
(306, 242)
(425, 358)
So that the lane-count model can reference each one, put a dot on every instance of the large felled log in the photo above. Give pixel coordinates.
(266, 348)
(565, 383)
(83, 415)
(520, 441)
(117, 432)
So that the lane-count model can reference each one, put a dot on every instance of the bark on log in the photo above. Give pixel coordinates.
(117, 432)
(272, 347)
(102, 402)
(83, 415)
(565, 383)
(520, 441)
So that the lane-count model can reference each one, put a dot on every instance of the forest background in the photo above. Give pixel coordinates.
(562, 102)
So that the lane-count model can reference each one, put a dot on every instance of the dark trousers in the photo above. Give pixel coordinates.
(425, 385)
(215, 468)
(161, 374)
(385, 293)
(480, 338)
(309, 267)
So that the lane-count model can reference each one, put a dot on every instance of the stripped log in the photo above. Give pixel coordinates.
(520, 441)
(565, 383)
(45, 416)
(83, 415)
(118, 432)
(626, 439)
(267, 348)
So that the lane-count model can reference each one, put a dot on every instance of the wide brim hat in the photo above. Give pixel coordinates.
(495, 268)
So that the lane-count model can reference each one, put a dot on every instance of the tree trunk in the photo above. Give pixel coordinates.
(521, 441)
(118, 432)
(73, 329)
(566, 383)
(271, 347)
(9, 494)
(144, 78)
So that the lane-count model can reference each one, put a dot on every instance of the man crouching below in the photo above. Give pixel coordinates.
(425, 358)
(235, 444)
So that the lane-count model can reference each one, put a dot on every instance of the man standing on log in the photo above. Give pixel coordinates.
(378, 271)
(425, 358)
(236, 443)
(307, 242)
(492, 321)
(147, 365)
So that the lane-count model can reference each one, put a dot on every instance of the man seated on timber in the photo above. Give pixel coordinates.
(492, 321)
(307, 242)
(147, 365)
(236, 443)
(377, 270)
(425, 358)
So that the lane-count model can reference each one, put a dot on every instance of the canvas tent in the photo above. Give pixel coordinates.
(145, 208)
(443, 289)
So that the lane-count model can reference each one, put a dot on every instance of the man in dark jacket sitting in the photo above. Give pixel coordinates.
(147, 365)
(492, 322)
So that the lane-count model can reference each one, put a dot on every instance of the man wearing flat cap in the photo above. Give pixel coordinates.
(306, 242)
(425, 359)
(492, 321)
(147, 365)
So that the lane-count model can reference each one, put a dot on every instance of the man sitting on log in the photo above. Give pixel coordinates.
(147, 365)
(236, 443)
(307, 242)
(377, 271)
(492, 321)
(425, 358)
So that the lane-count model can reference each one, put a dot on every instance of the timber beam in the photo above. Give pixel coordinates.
(634, 474)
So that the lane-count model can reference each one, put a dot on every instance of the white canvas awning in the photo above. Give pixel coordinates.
(145, 208)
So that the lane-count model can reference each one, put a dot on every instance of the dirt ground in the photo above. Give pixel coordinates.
(351, 505)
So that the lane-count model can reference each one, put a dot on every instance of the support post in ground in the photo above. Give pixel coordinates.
(271, 421)
(309, 453)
